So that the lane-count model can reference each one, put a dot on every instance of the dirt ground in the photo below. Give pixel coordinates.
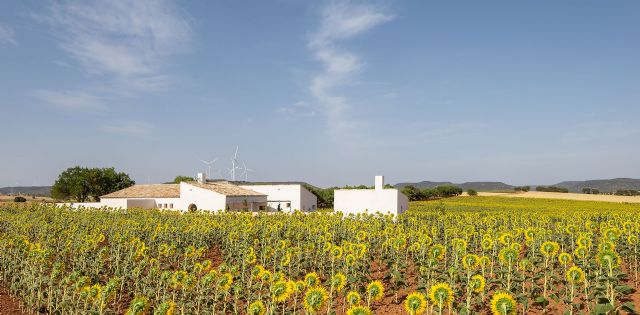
(8, 304)
(569, 196)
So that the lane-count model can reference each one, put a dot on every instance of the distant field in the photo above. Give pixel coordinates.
(569, 196)
(499, 202)
(6, 198)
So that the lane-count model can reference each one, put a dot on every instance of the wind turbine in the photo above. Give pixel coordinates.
(234, 165)
(209, 163)
(246, 171)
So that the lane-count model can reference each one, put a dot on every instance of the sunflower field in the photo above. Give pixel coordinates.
(464, 255)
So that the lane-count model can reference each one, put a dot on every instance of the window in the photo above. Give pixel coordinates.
(261, 208)
(159, 206)
(288, 205)
(165, 206)
(170, 206)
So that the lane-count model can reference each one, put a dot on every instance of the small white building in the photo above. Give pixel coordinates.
(286, 197)
(200, 195)
(379, 199)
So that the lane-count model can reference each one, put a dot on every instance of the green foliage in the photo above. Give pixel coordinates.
(180, 179)
(472, 192)
(590, 191)
(627, 192)
(19, 199)
(522, 188)
(81, 183)
(443, 191)
(552, 189)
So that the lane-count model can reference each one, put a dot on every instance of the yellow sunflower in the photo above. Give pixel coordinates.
(503, 304)
(415, 303)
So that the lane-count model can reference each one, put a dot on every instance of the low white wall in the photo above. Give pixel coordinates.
(204, 199)
(368, 200)
(300, 198)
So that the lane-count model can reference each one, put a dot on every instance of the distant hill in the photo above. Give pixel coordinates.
(27, 190)
(604, 185)
(480, 186)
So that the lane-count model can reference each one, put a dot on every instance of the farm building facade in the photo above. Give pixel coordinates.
(209, 195)
(286, 197)
(379, 199)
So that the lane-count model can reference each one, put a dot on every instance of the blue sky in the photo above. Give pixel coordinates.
(329, 92)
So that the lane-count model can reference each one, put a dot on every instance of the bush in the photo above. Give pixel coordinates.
(19, 199)
(522, 188)
(472, 192)
(552, 189)
(627, 192)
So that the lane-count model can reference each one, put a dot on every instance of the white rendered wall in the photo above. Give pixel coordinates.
(403, 202)
(308, 201)
(204, 199)
(300, 198)
(360, 200)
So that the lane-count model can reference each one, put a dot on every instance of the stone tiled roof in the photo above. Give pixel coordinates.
(147, 191)
(226, 188)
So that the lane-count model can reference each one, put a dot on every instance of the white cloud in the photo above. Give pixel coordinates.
(129, 127)
(296, 110)
(7, 35)
(121, 40)
(340, 21)
(70, 100)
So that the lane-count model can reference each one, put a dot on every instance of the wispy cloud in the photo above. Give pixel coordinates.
(121, 40)
(129, 127)
(7, 35)
(70, 100)
(340, 21)
(296, 110)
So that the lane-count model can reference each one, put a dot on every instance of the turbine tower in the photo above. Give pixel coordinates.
(209, 163)
(246, 171)
(234, 165)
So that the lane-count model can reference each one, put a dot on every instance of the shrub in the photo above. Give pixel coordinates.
(472, 192)
(522, 188)
(552, 189)
(19, 199)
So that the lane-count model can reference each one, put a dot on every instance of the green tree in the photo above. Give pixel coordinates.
(472, 192)
(180, 179)
(413, 193)
(81, 183)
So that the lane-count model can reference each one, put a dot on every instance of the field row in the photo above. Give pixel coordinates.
(460, 256)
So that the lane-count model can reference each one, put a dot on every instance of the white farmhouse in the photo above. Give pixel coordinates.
(379, 199)
(184, 196)
(286, 197)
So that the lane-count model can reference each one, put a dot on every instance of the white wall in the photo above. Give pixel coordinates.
(360, 200)
(300, 197)
(308, 201)
(204, 199)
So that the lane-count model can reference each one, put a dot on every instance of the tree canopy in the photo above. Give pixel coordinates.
(181, 178)
(83, 184)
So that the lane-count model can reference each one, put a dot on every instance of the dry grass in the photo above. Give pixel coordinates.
(7, 198)
(567, 196)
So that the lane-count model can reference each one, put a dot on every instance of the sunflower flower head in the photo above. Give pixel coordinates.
(415, 303)
(315, 299)
(359, 310)
(375, 290)
(441, 294)
(503, 304)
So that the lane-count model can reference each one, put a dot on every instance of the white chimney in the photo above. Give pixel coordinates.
(202, 178)
(379, 182)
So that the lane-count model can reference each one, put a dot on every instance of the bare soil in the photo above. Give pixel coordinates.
(9, 305)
